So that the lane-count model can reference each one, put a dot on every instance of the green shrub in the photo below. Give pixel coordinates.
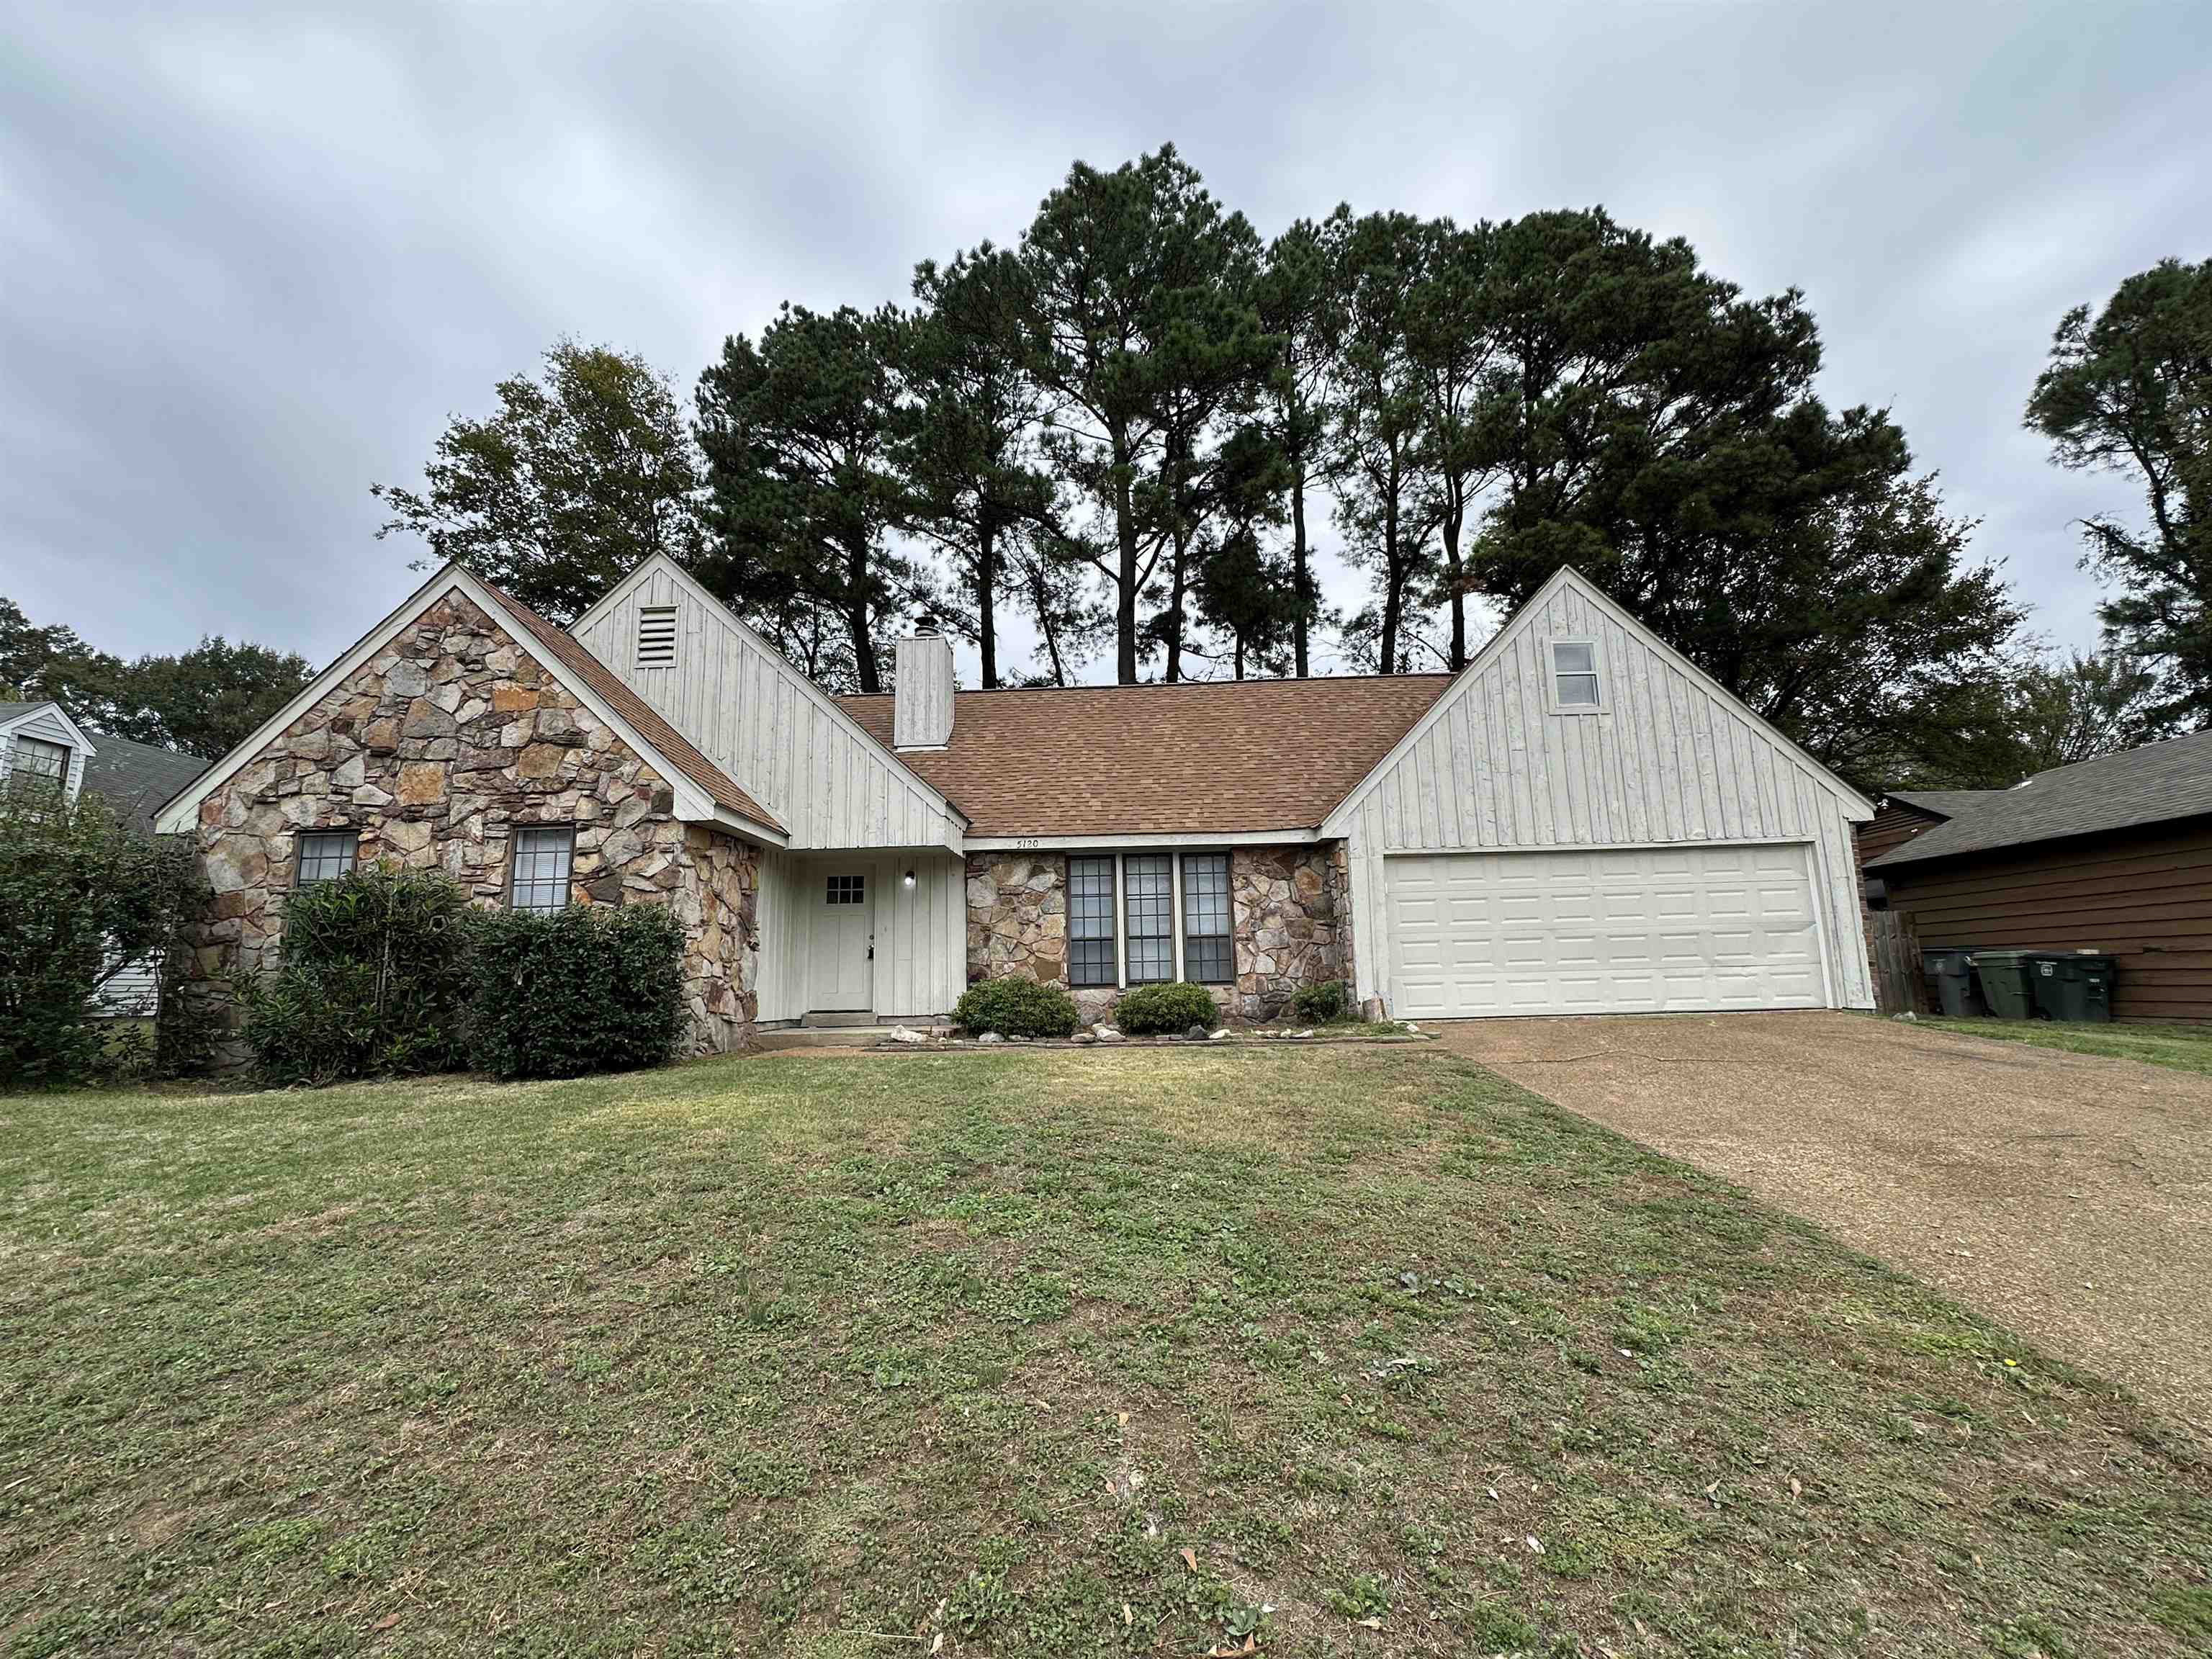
(1014, 1006)
(372, 980)
(81, 895)
(1172, 1007)
(1322, 1004)
(591, 988)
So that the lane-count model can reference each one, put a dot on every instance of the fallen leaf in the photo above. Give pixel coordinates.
(1370, 1623)
(1534, 1545)
(1123, 1417)
(386, 1622)
(1189, 1559)
(937, 1644)
(1795, 1491)
(1128, 1617)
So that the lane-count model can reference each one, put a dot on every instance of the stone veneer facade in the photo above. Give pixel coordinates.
(1290, 925)
(431, 752)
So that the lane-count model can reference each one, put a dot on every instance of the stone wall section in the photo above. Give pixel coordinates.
(1287, 910)
(1018, 916)
(432, 751)
(1283, 915)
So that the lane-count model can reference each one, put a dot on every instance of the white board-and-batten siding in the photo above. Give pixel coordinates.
(764, 722)
(1670, 760)
(920, 964)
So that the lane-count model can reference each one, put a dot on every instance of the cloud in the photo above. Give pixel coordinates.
(251, 259)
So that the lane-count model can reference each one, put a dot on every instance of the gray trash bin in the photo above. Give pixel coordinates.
(1951, 985)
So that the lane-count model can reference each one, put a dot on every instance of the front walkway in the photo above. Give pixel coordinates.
(2067, 1195)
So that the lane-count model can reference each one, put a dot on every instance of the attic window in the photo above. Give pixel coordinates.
(656, 636)
(1578, 678)
(39, 768)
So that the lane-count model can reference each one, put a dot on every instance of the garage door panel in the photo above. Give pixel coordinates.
(1650, 931)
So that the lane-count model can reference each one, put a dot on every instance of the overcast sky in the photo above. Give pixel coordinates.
(251, 259)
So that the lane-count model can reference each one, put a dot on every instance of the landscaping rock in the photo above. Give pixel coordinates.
(991, 1036)
(1215, 1036)
(1196, 1034)
(906, 1034)
(1108, 1034)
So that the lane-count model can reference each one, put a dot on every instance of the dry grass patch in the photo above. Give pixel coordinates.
(829, 1357)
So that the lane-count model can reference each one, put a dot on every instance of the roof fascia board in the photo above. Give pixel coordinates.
(1108, 843)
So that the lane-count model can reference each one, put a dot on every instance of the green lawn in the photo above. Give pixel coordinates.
(837, 1356)
(2184, 1047)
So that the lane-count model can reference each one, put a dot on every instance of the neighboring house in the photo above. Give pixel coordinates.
(135, 779)
(1580, 822)
(2112, 854)
(42, 749)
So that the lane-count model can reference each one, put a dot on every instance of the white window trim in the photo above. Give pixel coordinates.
(1552, 703)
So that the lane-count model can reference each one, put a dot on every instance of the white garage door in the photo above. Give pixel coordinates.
(1655, 930)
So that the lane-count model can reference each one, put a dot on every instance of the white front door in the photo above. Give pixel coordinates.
(1650, 930)
(841, 972)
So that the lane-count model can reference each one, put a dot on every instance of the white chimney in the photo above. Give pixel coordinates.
(921, 709)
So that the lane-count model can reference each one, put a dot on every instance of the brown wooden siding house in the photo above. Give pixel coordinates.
(2112, 854)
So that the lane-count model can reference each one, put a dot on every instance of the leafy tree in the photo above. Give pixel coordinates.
(1452, 352)
(1244, 589)
(1058, 595)
(1297, 297)
(1379, 419)
(560, 494)
(204, 701)
(52, 664)
(1657, 430)
(968, 450)
(799, 433)
(2131, 390)
(1127, 271)
(82, 896)
(2082, 707)
(207, 701)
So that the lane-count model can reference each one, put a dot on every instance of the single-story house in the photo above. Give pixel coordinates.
(42, 749)
(1579, 822)
(2112, 854)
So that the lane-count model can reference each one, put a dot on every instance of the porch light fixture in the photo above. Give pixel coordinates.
(909, 881)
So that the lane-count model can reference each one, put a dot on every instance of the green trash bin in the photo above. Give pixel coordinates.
(1951, 983)
(2006, 984)
(2072, 984)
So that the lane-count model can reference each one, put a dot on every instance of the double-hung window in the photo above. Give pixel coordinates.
(1091, 921)
(1149, 896)
(1577, 684)
(39, 769)
(1206, 958)
(325, 855)
(544, 855)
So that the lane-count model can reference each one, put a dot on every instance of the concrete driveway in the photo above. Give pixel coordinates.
(2069, 1196)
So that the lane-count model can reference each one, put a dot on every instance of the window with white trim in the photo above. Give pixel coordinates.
(1149, 893)
(39, 767)
(1206, 956)
(1578, 678)
(1091, 921)
(325, 855)
(543, 858)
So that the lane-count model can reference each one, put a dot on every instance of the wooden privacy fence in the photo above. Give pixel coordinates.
(1894, 954)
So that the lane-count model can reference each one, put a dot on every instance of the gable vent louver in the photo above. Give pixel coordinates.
(656, 636)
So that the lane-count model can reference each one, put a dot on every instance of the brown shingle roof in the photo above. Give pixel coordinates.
(1212, 758)
(674, 746)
